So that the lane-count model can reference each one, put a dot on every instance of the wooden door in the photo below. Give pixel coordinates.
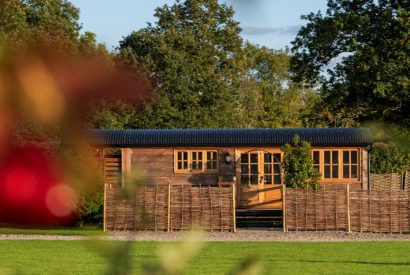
(260, 180)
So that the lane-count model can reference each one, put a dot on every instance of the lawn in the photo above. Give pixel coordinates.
(62, 231)
(86, 257)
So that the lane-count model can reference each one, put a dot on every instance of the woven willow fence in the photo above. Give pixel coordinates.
(170, 207)
(393, 181)
(347, 210)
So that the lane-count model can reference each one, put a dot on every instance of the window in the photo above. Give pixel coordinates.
(350, 164)
(337, 164)
(316, 160)
(331, 164)
(196, 161)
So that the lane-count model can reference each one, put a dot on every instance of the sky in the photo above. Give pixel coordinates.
(271, 23)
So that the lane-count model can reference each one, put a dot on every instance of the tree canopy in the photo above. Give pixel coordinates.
(204, 75)
(359, 52)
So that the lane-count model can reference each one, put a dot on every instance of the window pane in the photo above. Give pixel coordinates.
(193, 165)
(335, 157)
(276, 157)
(254, 158)
(179, 165)
(200, 165)
(267, 168)
(327, 172)
(254, 179)
(193, 155)
(254, 169)
(316, 157)
(316, 167)
(244, 158)
(268, 179)
(214, 165)
(185, 155)
(276, 168)
(354, 172)
(267, 158)
(277, 179)
(335, 171)
(354, 157)
(346, 157)
(199, 155)
(179, 155)
(208, 155)
(327, 157)
(214, 155)
(244, 169)
(346, 172)
(244, 179)
(185, 165)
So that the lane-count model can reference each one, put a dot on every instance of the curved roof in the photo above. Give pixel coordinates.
(228, 137)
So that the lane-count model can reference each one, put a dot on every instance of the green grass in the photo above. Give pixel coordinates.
(85, 257)
(62, 231)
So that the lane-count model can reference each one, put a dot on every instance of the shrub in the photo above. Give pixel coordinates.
(299, 171)
(386, 158)
(90, 208)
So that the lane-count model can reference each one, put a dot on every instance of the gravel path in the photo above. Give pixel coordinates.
(241, 235)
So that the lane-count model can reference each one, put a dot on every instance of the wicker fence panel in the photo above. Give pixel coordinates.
(170, 207)
(348, 210)
(393, 181)
(316, 210)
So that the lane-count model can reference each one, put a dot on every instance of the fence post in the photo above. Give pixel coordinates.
(348, 206)
(284, 208)
(105, 209)
(233, 208)
(169, 208)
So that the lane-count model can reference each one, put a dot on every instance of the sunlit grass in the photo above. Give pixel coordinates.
(62, 231)
(85, 257)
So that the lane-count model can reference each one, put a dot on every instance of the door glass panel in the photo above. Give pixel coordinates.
(254, 169)
(245, 180)
(254, 158)
(268, 179)
(277, 179)
(244, 169)
(267, 158)
(276, 168)
(276, 157)
(267, 168)
(244, 158)
(254, 179)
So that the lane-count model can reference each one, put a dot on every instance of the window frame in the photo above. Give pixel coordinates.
(340, 164)
(190, 161)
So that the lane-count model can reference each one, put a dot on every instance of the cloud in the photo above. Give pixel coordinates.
(288, 30)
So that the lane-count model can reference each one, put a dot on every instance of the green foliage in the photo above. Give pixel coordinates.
(205, 76)
(90, 209)
(299, 171)
(369, 42)
(385, 158)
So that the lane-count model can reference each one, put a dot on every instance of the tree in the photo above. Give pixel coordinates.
(369, 42)
(297, 164)
(204, 75)
(192, 54)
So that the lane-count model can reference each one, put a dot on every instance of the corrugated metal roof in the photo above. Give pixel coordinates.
(228, 137)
